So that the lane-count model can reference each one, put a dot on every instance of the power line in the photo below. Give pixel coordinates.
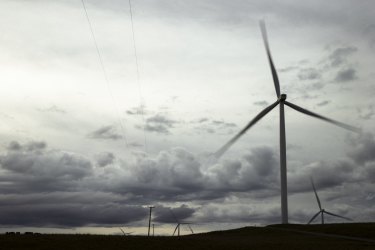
(105, 73)
(138, 75)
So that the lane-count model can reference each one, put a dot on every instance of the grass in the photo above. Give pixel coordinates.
(270, 237)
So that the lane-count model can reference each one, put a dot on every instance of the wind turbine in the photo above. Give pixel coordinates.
(125, 234)
(179, 223)
(281, 100)
(321, 210)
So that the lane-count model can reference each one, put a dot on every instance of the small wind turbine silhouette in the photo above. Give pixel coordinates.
(321, 210)
(179, 223)
(281, 100)
(125, 234)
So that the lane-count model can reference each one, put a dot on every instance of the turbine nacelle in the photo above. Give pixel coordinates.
(282, 97)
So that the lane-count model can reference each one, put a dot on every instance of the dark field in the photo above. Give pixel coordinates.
(270, 237)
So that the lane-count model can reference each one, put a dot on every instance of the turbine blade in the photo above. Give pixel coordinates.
(190, 228)
(122, 231)
(262, 25)
(313, 218)
(316, 194)
(337, 123)
(224, 148)
(346, 218)
(175, 230)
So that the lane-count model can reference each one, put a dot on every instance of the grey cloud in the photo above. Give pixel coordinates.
(370, 32)
(346, 75)
(176, 168)
(238, 214)
(32, 167)
(323, 103)
(254, 171)
(363, 149)
(106, 133)
(366, 113)
(135, 144)
(325, 174)
(177, 175)
(356, 168)
(30, 146)
(159, 123)
(223, 124)
(105, 159)
(70, 215)
(14, 146)
(160, 119)
(309, 74)
(261, 103)
(170, 176)
(339, 56)
(170, 215)
(206, 125)
(139, 110)
(203, 120)
(287, 69)
(157, 128)
(53, 109)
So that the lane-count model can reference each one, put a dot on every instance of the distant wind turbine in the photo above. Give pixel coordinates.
(149, 219)
(125, 234)
(281, 100)
(179, 223)
(321, 210)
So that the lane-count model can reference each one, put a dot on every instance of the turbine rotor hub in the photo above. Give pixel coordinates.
(282, 97)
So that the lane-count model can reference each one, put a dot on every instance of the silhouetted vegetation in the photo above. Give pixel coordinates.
(270, 237)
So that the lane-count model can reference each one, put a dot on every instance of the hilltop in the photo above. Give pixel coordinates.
(270, 237)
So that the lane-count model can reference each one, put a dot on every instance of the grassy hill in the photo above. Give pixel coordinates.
(271, 237)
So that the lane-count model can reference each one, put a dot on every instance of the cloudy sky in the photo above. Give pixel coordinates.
(88, 141)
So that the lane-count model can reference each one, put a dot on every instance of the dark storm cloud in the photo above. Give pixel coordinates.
(31, 167)
(106, 133)
(105, 159)
(346, 75)
(339, 56)
(53, 188)
(176, 169)
(70, 215)
(177, 175)
(172, 215)
(238, 214)
(356, 169)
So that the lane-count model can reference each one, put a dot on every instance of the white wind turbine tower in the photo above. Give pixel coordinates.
(321, 210)
(281, 100)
